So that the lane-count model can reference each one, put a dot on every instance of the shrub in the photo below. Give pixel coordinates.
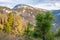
(50, 36)
(58, 32)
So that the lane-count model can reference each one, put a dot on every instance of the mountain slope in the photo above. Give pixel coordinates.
(56, 14)
(5, 9)
(27, 12)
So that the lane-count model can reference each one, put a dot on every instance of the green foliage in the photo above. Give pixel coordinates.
(28, 28)
(28, 31)
(58, 32)
(50, 36)
(35, 33)
(44, 21)
(48, 16)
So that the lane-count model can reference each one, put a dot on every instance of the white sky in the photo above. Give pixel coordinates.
(45, 4)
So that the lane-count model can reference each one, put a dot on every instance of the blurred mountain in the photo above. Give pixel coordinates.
(5, 9)
(28, 13)
(56, 14)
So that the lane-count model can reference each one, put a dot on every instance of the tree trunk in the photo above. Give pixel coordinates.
(44, 38)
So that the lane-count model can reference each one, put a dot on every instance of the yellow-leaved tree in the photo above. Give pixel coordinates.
(9, 23)
(18, 24)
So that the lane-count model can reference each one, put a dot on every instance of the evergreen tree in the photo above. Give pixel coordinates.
(43, 22)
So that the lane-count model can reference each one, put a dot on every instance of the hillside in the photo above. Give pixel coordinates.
(15, 21)
(28, 13)
(5, 9)
(56, 14)
(25, 11)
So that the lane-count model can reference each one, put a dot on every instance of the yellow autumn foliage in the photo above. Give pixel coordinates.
(15, 21)
(18, 23)
(1, 26)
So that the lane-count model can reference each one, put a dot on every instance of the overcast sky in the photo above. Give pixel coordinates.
(46, 4)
